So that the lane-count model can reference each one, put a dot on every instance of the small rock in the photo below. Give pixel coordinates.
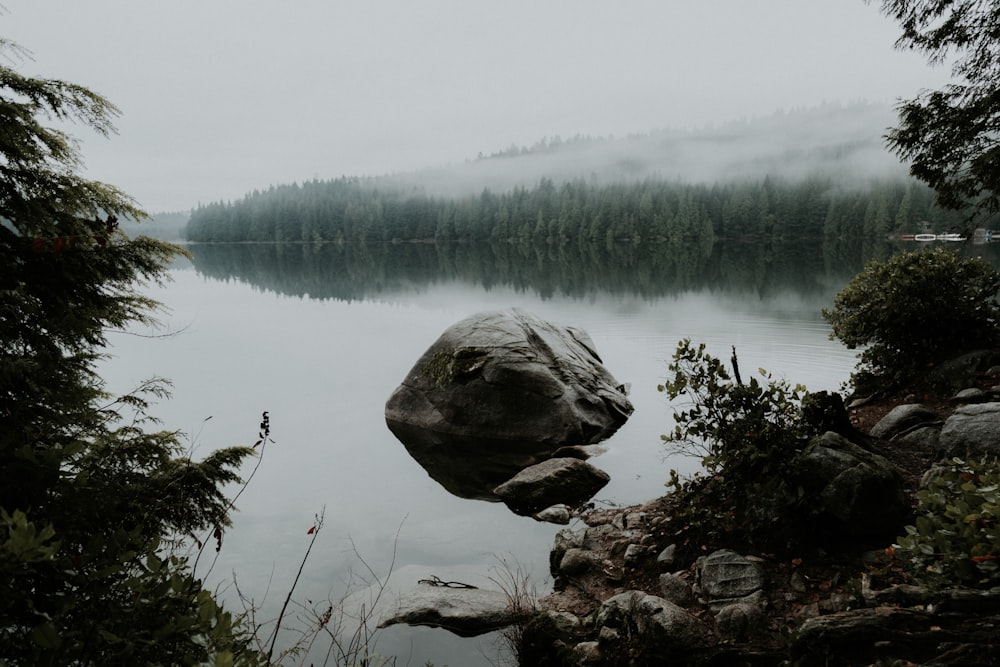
(607, 636)
(676, 590)
(613, 573)
(971, 395)
(797, 583)
(634, 553)
(741, 620)
(575, 562)
(619, 547)
(564, 540)
(565, 623)
(665, 559)
(558, 514)
(587, 653)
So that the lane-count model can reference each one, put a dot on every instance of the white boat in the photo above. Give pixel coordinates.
(938, 237)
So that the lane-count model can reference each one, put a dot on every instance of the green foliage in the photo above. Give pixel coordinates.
(747, 434)
(90, 500)
(949, 135)
(956, 536)
(913, 311)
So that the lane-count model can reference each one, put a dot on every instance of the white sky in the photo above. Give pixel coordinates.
(223, 96)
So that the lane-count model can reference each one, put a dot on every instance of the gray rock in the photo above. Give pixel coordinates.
(635, 553)
(564, 540)
(564, 622)
(509, 377)
(676, 590)
(662, 625)
(972, 430)
(903, 418)
(725, 574)
(961, 371)
(551, 482)
(595, 535)
(575, 562)
(587, 653)
(467, 612)
(921, 437)
(972, 395)
(666, 558)
(742, 620)
(608, 636)
(556, 514)
(850, 493)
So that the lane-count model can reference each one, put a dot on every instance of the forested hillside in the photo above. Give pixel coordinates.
(809, 174)
(359, 210)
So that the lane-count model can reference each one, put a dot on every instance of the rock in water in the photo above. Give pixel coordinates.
(467, 612)
(569, 481)
(508, 377)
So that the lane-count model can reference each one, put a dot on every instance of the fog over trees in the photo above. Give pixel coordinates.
(814, 174)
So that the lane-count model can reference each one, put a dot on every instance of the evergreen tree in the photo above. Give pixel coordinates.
(950, 135)
(88, 497)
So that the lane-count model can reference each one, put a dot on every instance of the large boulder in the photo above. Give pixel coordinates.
(508, 376)
(501, 391)
(972, 430)
(850, 493)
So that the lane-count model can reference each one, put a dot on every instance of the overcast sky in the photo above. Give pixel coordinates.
(219, 97)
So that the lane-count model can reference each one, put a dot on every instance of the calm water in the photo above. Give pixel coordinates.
(323, 370)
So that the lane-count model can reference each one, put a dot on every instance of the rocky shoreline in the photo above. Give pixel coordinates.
(627, 593)
(796, 566)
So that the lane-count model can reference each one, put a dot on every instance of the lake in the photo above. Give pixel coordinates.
(248, 335)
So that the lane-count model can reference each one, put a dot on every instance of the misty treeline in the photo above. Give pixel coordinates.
(355, 210)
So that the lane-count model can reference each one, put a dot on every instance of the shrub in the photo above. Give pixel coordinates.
(913, 311)
(956, 536)
(747, 434)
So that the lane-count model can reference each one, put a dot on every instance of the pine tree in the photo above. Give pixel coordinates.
(88, 497)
